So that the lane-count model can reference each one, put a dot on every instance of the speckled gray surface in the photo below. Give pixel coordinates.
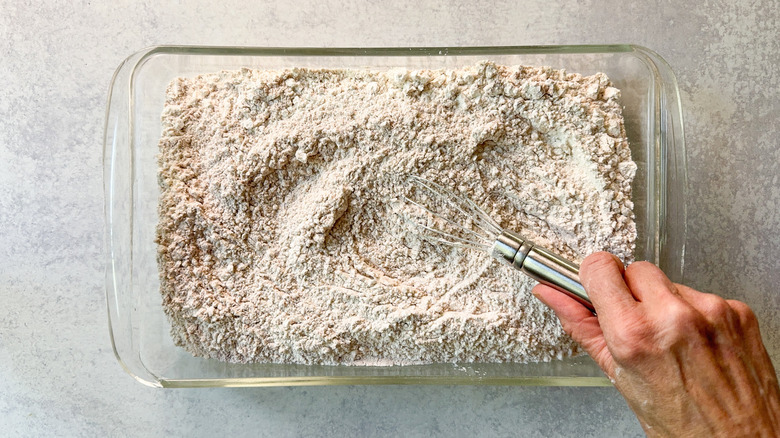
(57, 370)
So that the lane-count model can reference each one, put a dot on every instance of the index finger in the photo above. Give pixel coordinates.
(601, 275)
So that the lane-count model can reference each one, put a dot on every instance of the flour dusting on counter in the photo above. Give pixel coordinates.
(278, 240)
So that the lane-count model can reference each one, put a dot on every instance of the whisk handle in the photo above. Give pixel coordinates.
(555, 271)
(541, 264)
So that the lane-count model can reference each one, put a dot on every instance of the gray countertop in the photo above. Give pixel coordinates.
(57, 369)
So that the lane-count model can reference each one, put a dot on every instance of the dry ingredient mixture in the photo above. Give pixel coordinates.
(278, 238)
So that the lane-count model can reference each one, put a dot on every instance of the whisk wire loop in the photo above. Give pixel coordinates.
(470, 211)
(451, 240)
(434, 214)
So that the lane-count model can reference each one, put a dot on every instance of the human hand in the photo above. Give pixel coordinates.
(688, 363)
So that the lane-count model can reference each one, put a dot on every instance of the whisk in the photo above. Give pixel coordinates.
(466, 225)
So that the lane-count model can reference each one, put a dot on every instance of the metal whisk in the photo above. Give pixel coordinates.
(466, 225)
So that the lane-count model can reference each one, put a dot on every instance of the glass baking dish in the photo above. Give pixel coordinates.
(139, 328)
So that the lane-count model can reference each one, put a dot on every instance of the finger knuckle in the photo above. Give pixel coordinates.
(682, 316)
(641, 272)
(597, 262)
(747, 318)
(635, 267)
(716, 309)
(682, 325)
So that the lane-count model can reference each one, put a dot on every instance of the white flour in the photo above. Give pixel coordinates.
(277, 237)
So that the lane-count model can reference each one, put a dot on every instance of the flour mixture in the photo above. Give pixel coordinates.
(278, 240)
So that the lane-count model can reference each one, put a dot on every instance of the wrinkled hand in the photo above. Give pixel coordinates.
(687, 362)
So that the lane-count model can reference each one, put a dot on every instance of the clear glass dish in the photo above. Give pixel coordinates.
(139, 328)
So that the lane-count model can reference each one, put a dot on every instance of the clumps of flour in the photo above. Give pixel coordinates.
(278, 240)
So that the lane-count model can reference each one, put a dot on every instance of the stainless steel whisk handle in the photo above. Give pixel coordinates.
(542, 265)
